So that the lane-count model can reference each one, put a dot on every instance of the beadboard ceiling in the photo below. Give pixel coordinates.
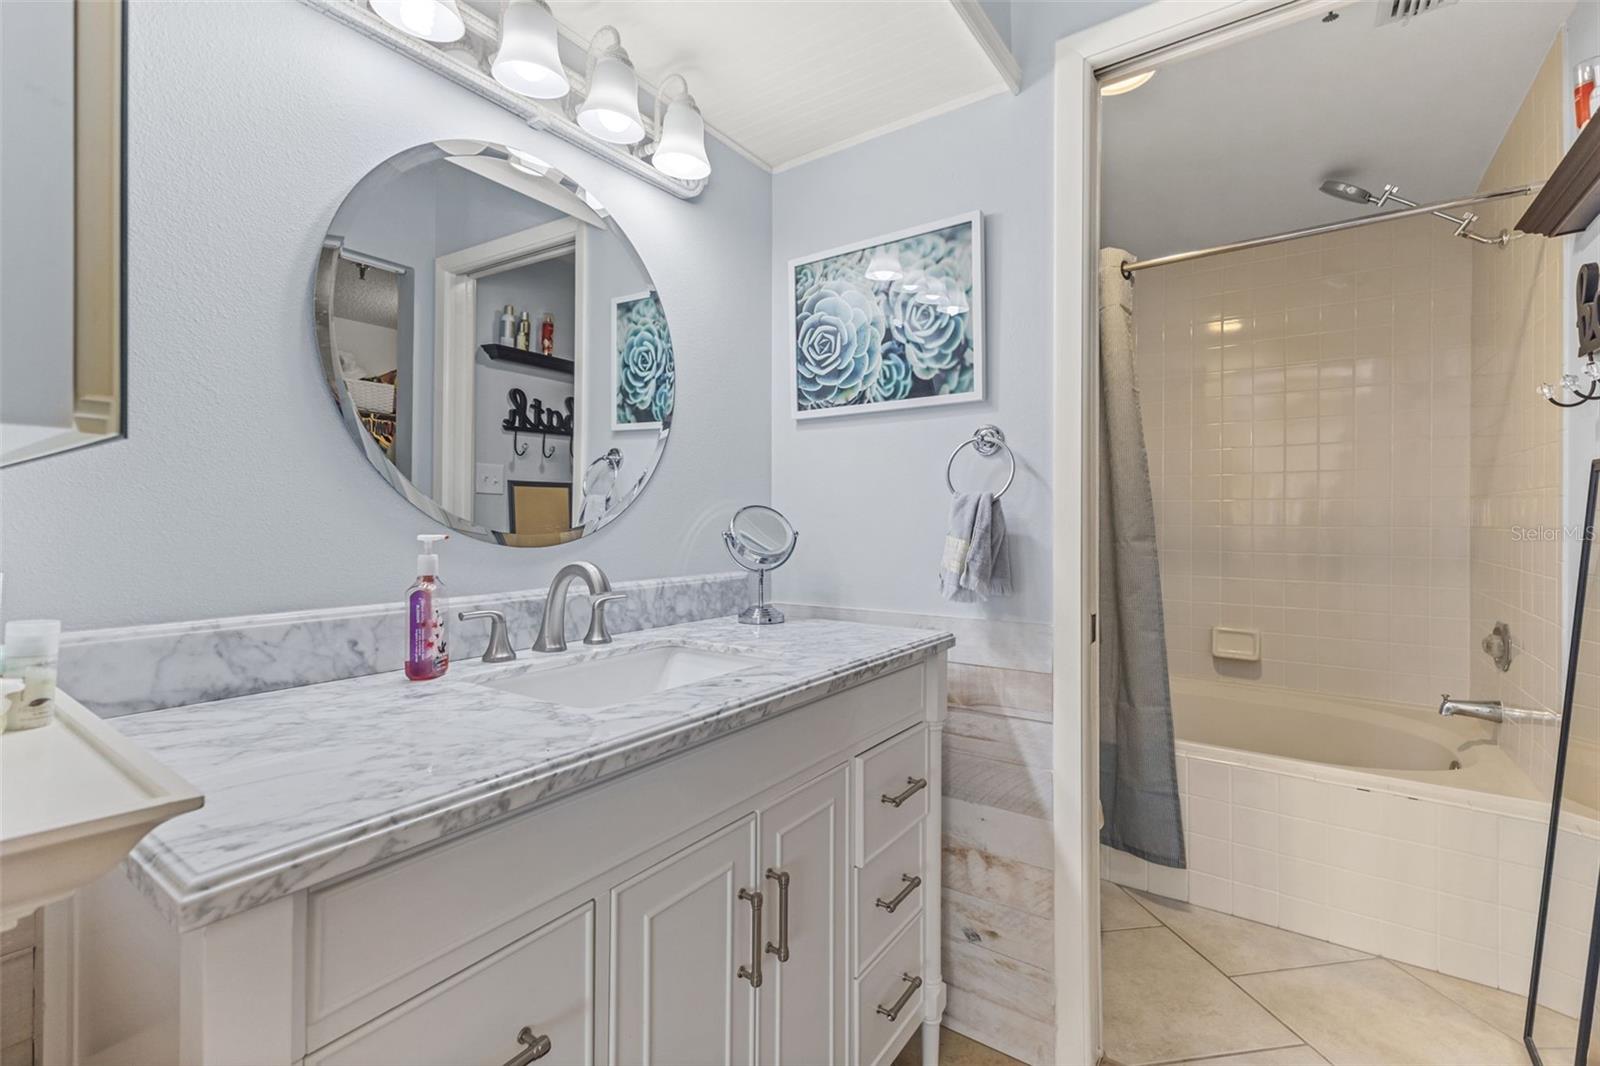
(1232, 143)
(785, 82)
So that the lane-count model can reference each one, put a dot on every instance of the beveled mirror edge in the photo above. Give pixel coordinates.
(322, 313)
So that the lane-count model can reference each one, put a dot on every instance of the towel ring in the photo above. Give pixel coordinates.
(985, 440)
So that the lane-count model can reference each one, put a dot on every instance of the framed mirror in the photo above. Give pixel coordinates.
(494, 343)
(61, 308)
(1559, 1026)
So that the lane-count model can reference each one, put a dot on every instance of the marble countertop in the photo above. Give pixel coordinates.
(311, 783)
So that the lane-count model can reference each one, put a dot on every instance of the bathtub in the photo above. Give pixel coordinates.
(1382, 827)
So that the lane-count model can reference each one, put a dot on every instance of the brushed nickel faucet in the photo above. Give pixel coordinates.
(553, 626)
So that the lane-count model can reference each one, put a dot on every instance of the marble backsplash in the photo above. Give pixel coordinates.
(144, 668)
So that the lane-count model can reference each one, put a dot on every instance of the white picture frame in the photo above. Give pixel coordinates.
(973, 357)
(615, 356)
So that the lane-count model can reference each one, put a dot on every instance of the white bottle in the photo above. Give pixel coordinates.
(508, 327)
(32, 651)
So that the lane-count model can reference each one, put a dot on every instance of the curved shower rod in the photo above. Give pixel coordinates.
(1128, 267)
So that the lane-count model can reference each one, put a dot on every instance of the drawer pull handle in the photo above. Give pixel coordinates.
(781, 948)
(752, 973)
(892, 905)
(912, 984)
(538, 1047)
(913, 786)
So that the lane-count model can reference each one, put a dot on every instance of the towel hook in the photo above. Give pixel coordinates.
(985, 440)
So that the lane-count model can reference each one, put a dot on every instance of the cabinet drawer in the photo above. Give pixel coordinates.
(892, 789)
(544, 981)
(886, 878)
(892, 986)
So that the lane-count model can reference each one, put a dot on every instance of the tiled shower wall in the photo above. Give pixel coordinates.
(1306, 414)
(1517, 319)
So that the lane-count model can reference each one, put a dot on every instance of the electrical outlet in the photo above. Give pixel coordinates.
(491, 477)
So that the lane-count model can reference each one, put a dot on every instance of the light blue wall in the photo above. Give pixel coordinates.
(867, 491)
(238, 489)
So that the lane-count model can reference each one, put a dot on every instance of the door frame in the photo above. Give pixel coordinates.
(455, 322)
(1150, 35)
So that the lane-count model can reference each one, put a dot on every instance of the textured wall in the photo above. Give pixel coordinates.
(1306, 412)
(1518, 313)
(238, 489)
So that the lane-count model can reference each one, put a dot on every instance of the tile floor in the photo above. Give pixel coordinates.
(1187, 985)
(955, 1050)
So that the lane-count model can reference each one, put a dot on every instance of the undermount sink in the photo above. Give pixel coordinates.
(624, 675)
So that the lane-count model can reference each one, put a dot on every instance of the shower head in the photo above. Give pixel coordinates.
(1345, 190)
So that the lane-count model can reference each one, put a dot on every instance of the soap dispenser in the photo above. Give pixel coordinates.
(427, 653)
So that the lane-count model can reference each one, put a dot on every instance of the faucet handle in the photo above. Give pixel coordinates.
(499, 649)
(598, 633)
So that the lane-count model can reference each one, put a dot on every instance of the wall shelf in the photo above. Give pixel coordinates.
(506, 354)
(1570, 199)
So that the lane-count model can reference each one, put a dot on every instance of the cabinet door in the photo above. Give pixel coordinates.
(803, 1008)
(679, 936)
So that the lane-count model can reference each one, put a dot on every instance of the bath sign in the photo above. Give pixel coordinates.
(893, 322)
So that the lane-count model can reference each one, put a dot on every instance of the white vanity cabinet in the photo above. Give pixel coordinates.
(769, 896)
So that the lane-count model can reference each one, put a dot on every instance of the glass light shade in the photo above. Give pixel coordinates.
(884, 267)
(527, 162)
(931, 292)
(955, 303)
(611, 110)
(682, 151)
(438, 21)
(528, 62)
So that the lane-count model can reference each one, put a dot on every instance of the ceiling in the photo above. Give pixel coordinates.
(1232, 143)
(784, 82)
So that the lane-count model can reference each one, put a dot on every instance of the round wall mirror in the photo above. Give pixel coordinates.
(494, 343)
(760, 539)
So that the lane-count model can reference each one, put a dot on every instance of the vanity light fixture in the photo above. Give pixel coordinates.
(681, 150)
(955, 303)
(1126, 84)
(610, 111)
(932, 292)
(528, 62)
(438, 21)
(884, 267)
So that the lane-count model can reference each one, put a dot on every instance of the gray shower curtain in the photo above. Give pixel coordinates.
(1138, 775)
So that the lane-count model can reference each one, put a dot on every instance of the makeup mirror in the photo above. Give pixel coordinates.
(760, 539)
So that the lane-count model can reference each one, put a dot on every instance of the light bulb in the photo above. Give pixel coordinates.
(438, 21)
(528, 62)
(884, 267)
(681, 152)
(955, 303)
(611, 109)
(932, 292)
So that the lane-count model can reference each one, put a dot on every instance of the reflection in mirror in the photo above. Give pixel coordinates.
(494, 343)
(760, 539)
(1563, 980)
(61, 231)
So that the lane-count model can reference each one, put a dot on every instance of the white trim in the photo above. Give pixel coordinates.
(888, 127)
(611, 357)
(1159, 25)
(455, 344)
(975, 310)
(994, 46)
(581, 358)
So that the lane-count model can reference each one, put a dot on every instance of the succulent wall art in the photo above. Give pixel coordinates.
(646, 374)
(890, 323)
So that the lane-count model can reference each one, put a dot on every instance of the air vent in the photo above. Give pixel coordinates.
(1405, 10)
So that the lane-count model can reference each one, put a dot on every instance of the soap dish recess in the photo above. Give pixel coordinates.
(1228, 642)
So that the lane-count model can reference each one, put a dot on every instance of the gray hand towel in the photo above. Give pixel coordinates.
(976, 563)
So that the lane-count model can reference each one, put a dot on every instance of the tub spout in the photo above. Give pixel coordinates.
(1488, 710)
(1493, 711)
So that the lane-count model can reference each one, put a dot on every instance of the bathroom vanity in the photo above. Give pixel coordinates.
(705, 843)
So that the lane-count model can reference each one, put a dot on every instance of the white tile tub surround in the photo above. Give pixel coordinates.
(1306, 413)
(1442, 878)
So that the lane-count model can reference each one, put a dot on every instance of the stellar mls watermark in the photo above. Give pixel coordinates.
(1524, 534)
